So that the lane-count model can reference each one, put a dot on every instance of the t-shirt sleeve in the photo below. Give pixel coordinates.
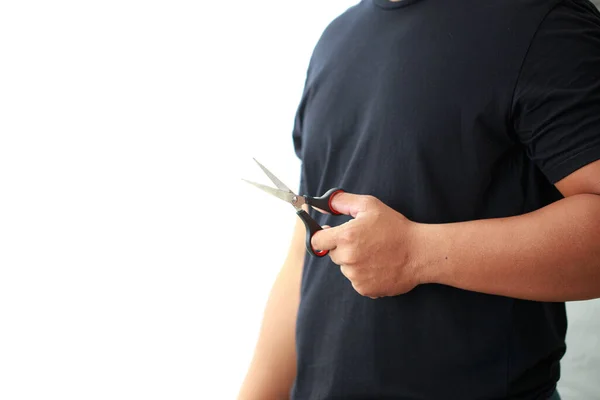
(297, 134)
(298, 126)
(556, 106)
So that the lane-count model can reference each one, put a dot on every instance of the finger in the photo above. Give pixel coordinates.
(325, 239)
(351, 204)
(320, 210)
(347, 272)
(335, 256)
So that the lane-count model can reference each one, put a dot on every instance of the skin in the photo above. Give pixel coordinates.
(552, 254)
(273, 367)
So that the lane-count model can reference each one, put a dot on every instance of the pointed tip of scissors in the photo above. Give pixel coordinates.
(272, 177)
(250, 182)
(259, 164)
(262, 166)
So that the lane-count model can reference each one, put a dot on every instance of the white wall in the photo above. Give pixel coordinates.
(581, 364)
(134, 262)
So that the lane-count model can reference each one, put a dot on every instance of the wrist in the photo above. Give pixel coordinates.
(430, 253)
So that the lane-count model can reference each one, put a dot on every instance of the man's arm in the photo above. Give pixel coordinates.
(552, 254)
(273, 367)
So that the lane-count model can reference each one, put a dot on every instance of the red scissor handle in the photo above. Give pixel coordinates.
(324, 202)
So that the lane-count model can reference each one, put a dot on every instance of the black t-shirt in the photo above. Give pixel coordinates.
(446, 111)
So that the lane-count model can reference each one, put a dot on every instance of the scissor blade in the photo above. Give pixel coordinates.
(283, 195)
(273, 178)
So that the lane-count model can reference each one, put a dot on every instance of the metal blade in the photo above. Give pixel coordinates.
(273, 178)
(282, 194)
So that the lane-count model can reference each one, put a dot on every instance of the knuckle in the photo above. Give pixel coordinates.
(351, 257)
(349, 235)
(348, 272)
(370, 294)
(370, 201)
(363, 290)
(345, 271)
(357, 288)
(335, 258)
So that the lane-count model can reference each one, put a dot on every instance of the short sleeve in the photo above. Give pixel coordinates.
(297, 134)
(556, 104)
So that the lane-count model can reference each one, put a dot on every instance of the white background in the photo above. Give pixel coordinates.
(134, 262)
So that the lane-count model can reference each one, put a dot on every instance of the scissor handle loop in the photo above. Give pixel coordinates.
(312, 227)
(325, 202)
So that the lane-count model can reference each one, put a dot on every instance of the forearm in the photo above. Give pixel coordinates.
(552, 254)
(273, 367)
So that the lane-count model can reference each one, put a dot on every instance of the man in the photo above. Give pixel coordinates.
(467, 137)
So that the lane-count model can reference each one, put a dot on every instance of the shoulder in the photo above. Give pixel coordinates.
(556, 100)
(569, 18)
(581, 8)
(346, 17)
(577, 14)
(340, 27)
(568, 35)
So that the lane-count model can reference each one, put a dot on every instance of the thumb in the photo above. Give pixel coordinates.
(351, 204)
(325, 239)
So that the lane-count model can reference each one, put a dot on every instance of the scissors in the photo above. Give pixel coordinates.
(284, 193)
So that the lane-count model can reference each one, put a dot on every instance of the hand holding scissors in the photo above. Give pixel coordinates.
(322, 203)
